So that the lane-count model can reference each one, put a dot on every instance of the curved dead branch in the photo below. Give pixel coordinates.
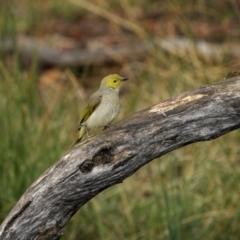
(107, 159)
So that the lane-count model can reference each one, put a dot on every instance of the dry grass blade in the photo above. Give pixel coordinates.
(76, 84)
(111, 17)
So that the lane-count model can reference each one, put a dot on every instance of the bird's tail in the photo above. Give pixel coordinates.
(81, 132)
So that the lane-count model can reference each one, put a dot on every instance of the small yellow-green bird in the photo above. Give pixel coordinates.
(103, 106)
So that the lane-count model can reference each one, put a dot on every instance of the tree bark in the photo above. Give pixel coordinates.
(107, 159)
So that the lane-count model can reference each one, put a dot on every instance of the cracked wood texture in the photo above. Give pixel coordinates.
(90, 167)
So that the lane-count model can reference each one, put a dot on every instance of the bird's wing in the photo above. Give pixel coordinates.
(93, 103)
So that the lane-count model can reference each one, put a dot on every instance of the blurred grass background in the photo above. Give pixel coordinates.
(191, 193)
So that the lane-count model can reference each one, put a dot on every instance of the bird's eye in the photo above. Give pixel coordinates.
(115, 81)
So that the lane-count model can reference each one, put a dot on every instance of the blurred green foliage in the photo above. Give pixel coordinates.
(191, 193)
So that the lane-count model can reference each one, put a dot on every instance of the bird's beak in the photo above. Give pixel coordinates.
(124, 79)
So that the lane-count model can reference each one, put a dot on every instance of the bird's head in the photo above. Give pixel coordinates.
(112, 81)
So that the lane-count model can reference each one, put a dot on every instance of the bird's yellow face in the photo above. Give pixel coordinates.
(113, 81)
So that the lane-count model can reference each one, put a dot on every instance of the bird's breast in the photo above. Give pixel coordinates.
(106, 112)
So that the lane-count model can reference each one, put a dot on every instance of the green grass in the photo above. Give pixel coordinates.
(191, 193)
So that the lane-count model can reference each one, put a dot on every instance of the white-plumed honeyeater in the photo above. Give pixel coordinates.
(103, 106)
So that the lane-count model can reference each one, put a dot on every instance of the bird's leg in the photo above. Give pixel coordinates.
(87, 132)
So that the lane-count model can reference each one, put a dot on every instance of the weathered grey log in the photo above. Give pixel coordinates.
(94, 165)
(29, 48)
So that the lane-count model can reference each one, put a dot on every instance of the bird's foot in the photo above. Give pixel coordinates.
(90, 136)
(163, 113)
